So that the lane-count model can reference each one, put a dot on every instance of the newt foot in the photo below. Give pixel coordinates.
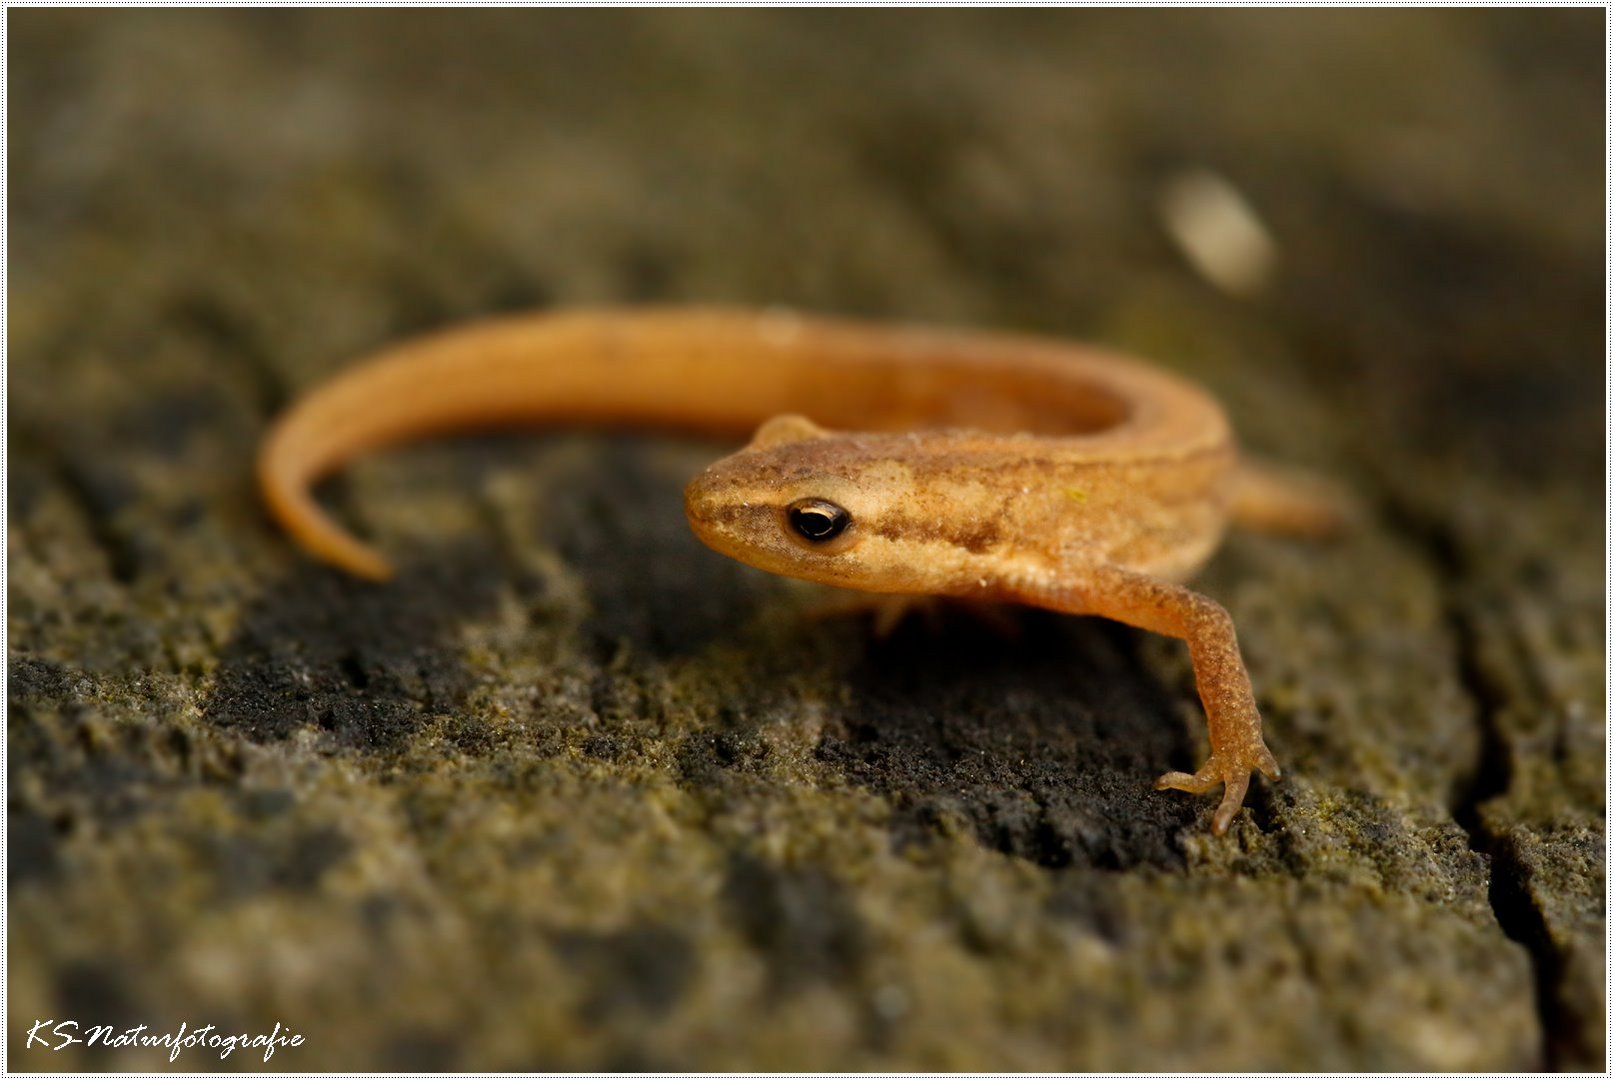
(1234, 772)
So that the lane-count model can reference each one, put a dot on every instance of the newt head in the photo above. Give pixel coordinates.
(827, 507)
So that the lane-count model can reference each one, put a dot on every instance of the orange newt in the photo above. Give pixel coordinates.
(982, 465)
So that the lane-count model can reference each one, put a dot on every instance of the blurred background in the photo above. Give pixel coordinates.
(574, 793)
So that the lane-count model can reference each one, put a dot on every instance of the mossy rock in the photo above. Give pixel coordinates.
(575, 793)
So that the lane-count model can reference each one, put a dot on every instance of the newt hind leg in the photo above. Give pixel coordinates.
(1275, 499)
(1237, 744)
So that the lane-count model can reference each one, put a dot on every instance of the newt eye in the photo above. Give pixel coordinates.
(818, 520)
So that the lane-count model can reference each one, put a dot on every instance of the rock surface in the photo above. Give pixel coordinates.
(575, 792)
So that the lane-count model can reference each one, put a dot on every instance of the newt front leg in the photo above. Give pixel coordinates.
(1237, 747)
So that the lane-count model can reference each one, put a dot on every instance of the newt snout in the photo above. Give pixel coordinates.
(711, 502)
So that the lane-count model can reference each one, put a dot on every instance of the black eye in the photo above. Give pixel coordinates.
(818, 519)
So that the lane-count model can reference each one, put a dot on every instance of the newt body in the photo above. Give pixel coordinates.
(990, 466)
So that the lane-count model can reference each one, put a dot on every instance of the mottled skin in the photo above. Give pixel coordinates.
(988, 466)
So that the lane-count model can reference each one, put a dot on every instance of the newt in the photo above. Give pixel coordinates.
(984, 465)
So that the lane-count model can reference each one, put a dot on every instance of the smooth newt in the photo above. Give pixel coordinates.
(982, 465)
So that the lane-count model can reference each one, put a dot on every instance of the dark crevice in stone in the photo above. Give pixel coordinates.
(1515, 911)
(1525, 923)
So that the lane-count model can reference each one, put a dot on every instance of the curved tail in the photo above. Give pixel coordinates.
(575, 368)
(711, 371)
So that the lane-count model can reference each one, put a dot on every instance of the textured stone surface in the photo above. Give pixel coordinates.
(574, 792)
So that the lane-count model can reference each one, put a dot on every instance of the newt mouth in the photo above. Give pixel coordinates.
(715, 511)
